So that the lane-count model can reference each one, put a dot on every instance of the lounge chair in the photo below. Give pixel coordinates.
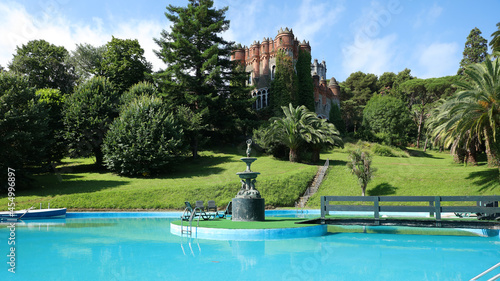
(188, 211)
(229, 209)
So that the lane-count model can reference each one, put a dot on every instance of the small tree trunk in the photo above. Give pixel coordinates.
(492, 161)
(98, 157)
(194, 147)
(293, 155)
(425, 145)
(315, 155)
(419, 132)
(363, 190)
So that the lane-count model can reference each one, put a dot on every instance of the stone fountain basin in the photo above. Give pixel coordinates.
(248, 175)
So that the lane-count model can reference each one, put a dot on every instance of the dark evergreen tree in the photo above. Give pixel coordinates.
(284, 87)
(475, 51)
(305, 81)
(336, 118)
(24, 128)
(199, 69)
(45, 65)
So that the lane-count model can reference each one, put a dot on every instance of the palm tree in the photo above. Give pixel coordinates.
(495, 42)
(298, 127)
(328, 136)
(360, 166)
(474, 111)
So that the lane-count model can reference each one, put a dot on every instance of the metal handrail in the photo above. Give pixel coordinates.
(488, 271)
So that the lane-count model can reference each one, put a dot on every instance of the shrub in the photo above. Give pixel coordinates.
(144, 140)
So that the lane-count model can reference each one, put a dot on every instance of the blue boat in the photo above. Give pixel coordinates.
(34, 214)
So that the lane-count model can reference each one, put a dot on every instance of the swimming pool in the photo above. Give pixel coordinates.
(138, 246)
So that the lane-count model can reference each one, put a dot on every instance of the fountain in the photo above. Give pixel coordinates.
(248, 204)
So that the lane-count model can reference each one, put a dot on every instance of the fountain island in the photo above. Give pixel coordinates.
(248, 204)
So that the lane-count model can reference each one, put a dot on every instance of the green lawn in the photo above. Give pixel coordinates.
(426, 174)
(211, 177)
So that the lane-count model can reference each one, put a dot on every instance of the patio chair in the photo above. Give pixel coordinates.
(211, 206)
(200, 205)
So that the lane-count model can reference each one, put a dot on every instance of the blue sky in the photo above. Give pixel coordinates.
(376, 36)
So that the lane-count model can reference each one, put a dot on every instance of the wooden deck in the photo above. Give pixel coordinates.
(413, 222)
(436, 206)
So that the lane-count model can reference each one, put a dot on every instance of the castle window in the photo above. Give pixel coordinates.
(259, 100)
(264, 99)
(272, 72)
(250, 79)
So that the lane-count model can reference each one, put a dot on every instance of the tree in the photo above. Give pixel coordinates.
(87, 60)
(474, 111)
(356, 91)
(421, 94)
(198, 62)
(305, 82)
(388, 119)
(24, 128)
(124, 63)
(137, 90)
(495, 42)
(45, 65)
(385, 82)
(475, 51)
(359, 162)
(326, 136)
(298, 127)
(284, 86)
(53, 101)
(336, 117)
(144, 140)
(89, 111)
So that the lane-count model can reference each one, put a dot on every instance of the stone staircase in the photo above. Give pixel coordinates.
(314, 186)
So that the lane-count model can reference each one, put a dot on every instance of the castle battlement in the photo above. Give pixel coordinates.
(259, 61)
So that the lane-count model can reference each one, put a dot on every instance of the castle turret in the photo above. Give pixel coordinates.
(305, 46)
(265, 57)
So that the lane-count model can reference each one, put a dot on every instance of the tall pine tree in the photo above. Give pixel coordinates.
(199, 69)
(475, 51)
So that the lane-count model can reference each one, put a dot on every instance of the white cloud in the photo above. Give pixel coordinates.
(438, 59)
(375, 55)
(316, 17)
(19, 27)
(428, 16)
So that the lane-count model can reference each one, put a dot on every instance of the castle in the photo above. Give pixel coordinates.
(260, 61)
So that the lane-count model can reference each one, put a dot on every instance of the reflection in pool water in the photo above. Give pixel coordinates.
(144, 249)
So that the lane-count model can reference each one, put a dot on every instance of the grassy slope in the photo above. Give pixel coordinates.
(430, 173)
(211, 177)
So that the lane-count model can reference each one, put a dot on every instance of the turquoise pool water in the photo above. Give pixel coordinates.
(141, 248)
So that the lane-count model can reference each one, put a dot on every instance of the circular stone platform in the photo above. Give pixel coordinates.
(251, 234)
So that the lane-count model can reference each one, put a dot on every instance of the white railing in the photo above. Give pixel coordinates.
(488, 271)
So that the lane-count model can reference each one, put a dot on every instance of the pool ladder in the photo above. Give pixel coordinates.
(488, 271)
(189, 228)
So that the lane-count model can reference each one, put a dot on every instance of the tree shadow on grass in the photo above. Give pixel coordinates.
(200, 167)
(382, 189)
(65, 185)
(419, 153)
(337, 162)
(488, 179)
